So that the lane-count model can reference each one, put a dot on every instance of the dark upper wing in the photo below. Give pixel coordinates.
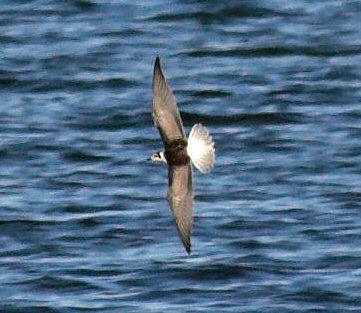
(165, 112)
(180, 197)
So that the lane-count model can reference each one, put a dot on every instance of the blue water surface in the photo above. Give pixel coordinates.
(84, 221)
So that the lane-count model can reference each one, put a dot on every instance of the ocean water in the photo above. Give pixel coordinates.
(84, 221)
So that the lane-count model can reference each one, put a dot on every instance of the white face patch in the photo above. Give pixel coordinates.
(158, 157)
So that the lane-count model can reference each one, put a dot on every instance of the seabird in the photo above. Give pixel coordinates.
(179, 153)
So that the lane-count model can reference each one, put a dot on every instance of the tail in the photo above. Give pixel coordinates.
(201, 148)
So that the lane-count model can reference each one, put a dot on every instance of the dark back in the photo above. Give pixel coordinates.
(176, 152)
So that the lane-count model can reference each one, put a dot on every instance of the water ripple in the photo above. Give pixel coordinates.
(84, 222)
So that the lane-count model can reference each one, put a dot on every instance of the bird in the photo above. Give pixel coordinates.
(179, 153)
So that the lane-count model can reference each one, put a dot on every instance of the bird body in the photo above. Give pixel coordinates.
(176, 153)
(179, 153)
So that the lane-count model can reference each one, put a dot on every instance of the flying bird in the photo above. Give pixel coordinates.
(179, 153)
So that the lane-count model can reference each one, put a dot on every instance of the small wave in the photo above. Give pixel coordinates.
(315, 294)
(46, 85)
(211, 93)
(8, 39)
(19, 223)
(276, 51)
(60, 283)
(84, 4)
(215, 272)
(78, 85)
(247, 118)
(111, 122)
(220, 14)
(82, 156)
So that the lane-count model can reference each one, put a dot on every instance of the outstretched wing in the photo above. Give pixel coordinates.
(180, 197)
(165, 112)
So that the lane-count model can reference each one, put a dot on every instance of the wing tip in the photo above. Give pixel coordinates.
(188, 249)
(157, 64)
(158, 75)
(185, 238)
(187, 245)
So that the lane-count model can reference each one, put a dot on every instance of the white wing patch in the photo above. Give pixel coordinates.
(201, 148)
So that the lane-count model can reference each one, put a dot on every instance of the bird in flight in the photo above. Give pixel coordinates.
(179, 153)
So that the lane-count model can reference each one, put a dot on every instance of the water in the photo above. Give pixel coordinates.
(84, 224)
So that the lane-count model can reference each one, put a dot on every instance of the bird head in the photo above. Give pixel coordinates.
(158, 157)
